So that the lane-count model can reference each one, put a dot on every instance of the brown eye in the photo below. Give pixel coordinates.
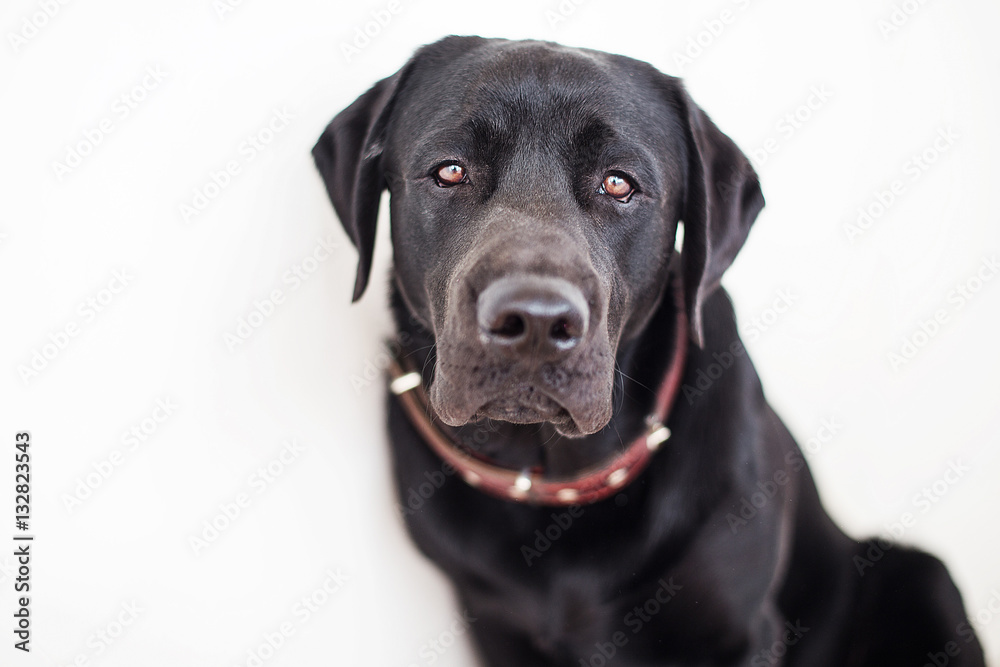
(618, 186)
(450, 174)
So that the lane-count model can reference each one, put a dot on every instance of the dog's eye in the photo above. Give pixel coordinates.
(450, 174)
(617, 185)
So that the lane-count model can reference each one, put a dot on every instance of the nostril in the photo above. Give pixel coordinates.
(510, 326)
(560, 331)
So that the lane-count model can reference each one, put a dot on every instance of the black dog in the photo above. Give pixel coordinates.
(535, 196)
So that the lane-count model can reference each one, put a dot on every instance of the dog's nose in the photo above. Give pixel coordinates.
(535, 316)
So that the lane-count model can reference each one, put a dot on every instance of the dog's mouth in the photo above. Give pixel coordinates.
(528, 406)
(580, 408)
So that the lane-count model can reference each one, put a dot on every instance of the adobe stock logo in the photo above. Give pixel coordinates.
(231, 510)
(545, 538)
(76, 153)
(713, 28)
(32, 25)
(363, 35)
(911, 171)
(899, 16)
(706, 377)
(292, 279)
(928, 328)
(924, 501)
(635, 620)
(58, 340)
(790, 124)
(224, 7)
(131, 439)
(107, 635)
(270, 642)
(431, 651)
(218, 180)
(562, 12)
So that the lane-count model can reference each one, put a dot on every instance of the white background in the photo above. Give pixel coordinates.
(162, 336)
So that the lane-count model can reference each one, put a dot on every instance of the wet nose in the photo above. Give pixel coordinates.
(537, 316)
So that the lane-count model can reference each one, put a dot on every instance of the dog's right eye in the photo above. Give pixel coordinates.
(449, 174)
(618, 186)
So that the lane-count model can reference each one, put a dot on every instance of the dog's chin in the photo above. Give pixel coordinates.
(585, 409)
(514, 410)
(515, 413)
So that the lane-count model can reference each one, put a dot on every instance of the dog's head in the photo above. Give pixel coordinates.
(535, 195)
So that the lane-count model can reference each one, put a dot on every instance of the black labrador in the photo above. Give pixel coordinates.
(580, 441)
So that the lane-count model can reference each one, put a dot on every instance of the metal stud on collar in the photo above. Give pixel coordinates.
(567, 495)
(617, 478)
(405, 383)
(521, 485)
(658, 434)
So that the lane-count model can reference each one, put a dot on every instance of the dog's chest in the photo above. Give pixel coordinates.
(559, 613)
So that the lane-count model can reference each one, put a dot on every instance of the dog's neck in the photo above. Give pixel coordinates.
(641, 364)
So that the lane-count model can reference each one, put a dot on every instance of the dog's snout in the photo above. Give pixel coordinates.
(534, 316)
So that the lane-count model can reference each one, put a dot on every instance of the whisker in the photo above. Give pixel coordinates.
(618, 368)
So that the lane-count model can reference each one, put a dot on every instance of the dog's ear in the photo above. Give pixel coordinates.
(348, 156)
(722, 200)
(349, 153)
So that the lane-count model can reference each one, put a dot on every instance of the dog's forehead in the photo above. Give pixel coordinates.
(566, 70)
(532, 84)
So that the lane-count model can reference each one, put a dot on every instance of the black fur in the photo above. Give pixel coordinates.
(669, 571)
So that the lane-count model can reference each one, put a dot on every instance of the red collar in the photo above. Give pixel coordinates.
(588, 486)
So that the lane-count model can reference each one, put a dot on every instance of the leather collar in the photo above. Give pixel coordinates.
(533, 486)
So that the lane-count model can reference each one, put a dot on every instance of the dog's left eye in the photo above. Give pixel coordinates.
(450, 174)
(618, 186)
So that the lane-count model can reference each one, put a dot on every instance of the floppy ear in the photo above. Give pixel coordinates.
(348, 156)
(723, 199)
(349, 153)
